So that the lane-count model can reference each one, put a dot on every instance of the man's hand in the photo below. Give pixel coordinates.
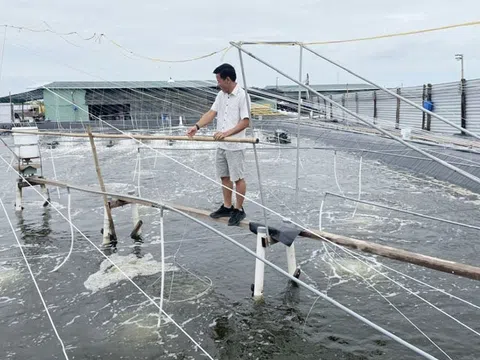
(220, 135)
(192, 131)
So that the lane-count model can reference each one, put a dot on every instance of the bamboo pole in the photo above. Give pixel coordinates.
(137, 137)
(451, 267)
(102, 187)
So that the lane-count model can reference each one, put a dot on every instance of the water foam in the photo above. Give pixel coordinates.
(130, 265)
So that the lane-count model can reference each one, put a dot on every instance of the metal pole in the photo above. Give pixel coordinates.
(18, 196)
(298, 125)
(247, 97)
(355, 115)
(441, 118)
(460, 57)
(162, 255)
(293, 43)
(463, 76)
(261, 191)
(242, 67)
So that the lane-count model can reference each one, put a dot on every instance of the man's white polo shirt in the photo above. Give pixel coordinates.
(231, 108)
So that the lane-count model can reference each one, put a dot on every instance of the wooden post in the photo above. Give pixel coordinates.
(108, 211)
(259, 265)
(397, 118)
(429, 98)
(424, 95)
(343, 104)
(463, 105)
(46, 194)
(107, 230)
(374, 107)
(137, 223)
(292, 261)
(18, 196)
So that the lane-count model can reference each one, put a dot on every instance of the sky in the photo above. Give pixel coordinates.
(185, 29)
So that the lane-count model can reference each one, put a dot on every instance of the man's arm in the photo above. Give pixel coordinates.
(206, 119)
(242, 124)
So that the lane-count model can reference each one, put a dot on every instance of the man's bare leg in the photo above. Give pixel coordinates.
(227, 193)
(241, 189)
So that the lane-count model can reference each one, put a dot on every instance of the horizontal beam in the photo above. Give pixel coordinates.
(451, 267)
(467, 271)
(136, 137)
(290, 43)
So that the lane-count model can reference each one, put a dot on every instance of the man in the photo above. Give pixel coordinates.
(230, 108)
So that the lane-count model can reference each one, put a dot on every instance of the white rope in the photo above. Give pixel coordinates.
(348, 252)
(162, 252)
(320, 215)
(71, 232)
(415, 294)
(33, 278)
(370, 284)
(155, 161)
(309, 311)
(135, 170)
(359, 185)
(335, 172)
(422, 283)
(10, 165)
(117, 267)
(176, 253)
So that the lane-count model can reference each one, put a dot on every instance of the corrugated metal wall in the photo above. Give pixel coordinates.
(472, 89)
(337, 113)
(386, 109)
(446, 99)
(351, 104)
(365, 104)
(410, 117)
(447, 103)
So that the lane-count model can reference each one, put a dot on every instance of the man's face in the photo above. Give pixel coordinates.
(224, 85)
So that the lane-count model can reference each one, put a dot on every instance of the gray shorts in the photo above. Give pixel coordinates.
(230, 163)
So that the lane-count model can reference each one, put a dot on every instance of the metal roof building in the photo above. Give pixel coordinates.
(122, 101)
(326, 89)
